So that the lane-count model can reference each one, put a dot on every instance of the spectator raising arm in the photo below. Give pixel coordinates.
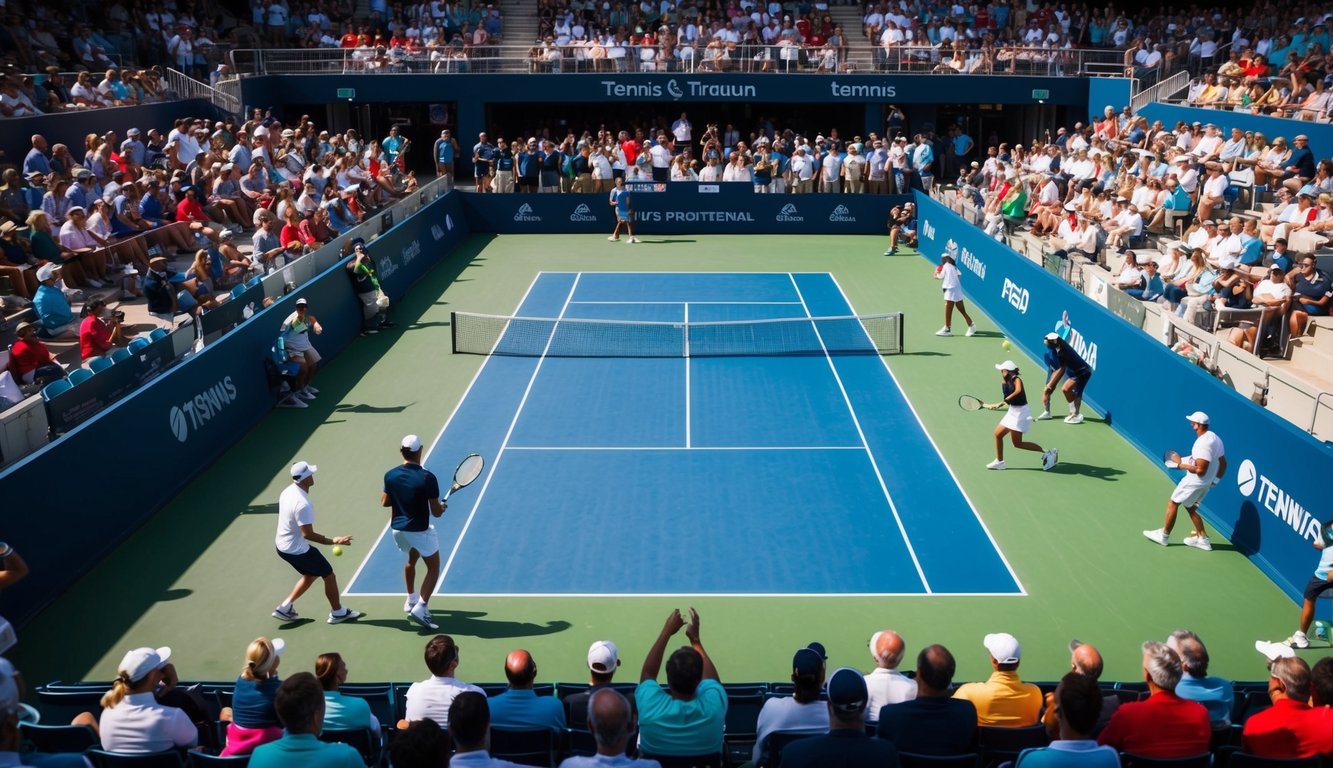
(652, 663)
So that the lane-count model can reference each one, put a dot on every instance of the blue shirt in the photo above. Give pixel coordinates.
(523, 709)
(410, 489)
(922, 157)
(345, 713)
(669, 726)
(962, 144)
(1069, 753)
(307, 751)
(391, 146)
(252, 703)
(620, 196)
(52, 308)
(1075, 367)
(36, 161)
(1214, 693)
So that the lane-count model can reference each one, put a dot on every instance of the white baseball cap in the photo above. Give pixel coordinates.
(1003, 647)
(603, 657)
(140, 661)
(412, 443)
(1198, 417)
(1007, 365)
(301, 470)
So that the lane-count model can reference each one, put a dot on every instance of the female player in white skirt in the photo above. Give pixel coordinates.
(953, 296)
(1017, 421)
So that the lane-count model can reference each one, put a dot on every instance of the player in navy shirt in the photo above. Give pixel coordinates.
(414, 495)
(1063, 362)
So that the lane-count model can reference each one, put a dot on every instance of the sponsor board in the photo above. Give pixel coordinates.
(582, 213)
(199, 410)
(790, 213)
(1257, 486)
(525, 213)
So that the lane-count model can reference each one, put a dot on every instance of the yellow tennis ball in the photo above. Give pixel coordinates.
(337, 551)
(1006, 344)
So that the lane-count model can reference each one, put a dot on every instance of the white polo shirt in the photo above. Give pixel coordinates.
(294, 511)
(1207, 446)
(139, 724)
(431, 698)
(787, 714)
(887, 686)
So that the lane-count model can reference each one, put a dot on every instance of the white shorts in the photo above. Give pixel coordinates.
(309, 354)
(953, 294)
(426, 543)
(1189, 495)
(1018, 419)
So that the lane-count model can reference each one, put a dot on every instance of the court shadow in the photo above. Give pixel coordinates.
(433, 324)
(668, 240)
(365, 408)
(988, 335)
(921, 354)
(261, 509)
(1110, 474)
(471, 624)
(179, 593)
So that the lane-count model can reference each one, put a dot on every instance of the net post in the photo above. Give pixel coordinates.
(453, 331)
(901, 319)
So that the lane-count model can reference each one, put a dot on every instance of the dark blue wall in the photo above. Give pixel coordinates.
(1276, 481)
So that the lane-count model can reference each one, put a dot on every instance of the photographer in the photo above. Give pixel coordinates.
(374, 302)
(100, 329)
(902, 227)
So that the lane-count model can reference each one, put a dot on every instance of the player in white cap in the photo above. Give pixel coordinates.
(1204, 467)
(296, 530)
(1017, 421)
(413, 493)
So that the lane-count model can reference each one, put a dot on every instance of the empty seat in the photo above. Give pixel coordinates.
(78, 376)
(58, 738)
(102, 759)
(99, 364)
(57, 387)
(119, 353)
(536, 746)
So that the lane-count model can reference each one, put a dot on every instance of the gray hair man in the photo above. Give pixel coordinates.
(1214, 693)
(1164, 725)
(885, 683)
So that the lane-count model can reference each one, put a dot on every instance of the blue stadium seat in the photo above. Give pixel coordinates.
(237, 290)
(137, 344)
(378, 695)
(742, 724)
(363, 740)
(58, 738)
(999, 744)
(78, 376)
(99, 364)
(157, 333)
(100, 758)
(57, 387)
(777, 741)
(119, 353)
(537, 746)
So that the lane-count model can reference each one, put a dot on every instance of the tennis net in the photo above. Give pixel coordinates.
(479, 334)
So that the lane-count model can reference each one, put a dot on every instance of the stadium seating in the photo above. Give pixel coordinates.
(1128, 760)
(157, 333)
(909, 760)
(137, 344)
(742, 723)
(58, 738)
(538, 746)
(57, 387)
(78, 376)
(1000, 744)
(100, 758)
(99, 364)
(119, 353)
(365, 741)
(778, 741)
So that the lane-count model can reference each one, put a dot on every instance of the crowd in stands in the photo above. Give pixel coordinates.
(1103, 187)
(235, 199)
(843, 717)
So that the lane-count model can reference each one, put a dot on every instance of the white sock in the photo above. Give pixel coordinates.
(413, 598)
(341, 611)
(1072, 410)
(286, 605)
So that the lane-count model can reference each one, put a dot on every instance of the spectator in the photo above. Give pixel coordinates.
(686, 717)
(886, 685)
(300, 705)
(802, 712)
(100, 329)
(11, 738)
(846, 744)
(1087, 661)
(16, 260)
(423, 744)
(252, 719)
(1274, 296)
(1214, 693)
(432, 698)
(341, 713)
(53, 309)
(1312, 291)
(1003, 700)
(933, 723)
(470, 726)
(132, 718)
(520, 708)
(603, 661)
(1078, 703)
(1291, 728)
(1164, 725)
(610, 717)
(30, 360)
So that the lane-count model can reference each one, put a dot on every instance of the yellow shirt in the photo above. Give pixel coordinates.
(1003, 700)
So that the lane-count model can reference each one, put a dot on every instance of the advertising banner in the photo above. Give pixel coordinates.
(1268, 503)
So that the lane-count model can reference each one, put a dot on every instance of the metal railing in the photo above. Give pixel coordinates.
(187, 87)
(787, 59)
(1160, 91)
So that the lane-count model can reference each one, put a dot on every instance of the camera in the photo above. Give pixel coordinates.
(119, 315)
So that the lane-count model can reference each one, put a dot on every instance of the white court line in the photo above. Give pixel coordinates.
(504, 444)
(1022, 591)
(673, 303)
(869, 454)
(431, 448)
(686, 333)
(687, 448)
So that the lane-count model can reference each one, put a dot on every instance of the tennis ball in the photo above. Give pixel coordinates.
(337, 551)
(1006, 344)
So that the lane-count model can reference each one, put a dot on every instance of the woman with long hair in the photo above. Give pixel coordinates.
(341, 713)
(1017, 420)
(253, 720)
(132, 718)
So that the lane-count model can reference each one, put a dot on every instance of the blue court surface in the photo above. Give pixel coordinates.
(752, 475)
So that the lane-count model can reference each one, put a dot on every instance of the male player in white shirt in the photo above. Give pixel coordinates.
(1204, 467)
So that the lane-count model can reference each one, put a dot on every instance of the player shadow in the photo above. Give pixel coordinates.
(988, 335)
(366, 408)
(429, 324)
(923, 353)
(470, 624)
(1109, 474)
(261, 509)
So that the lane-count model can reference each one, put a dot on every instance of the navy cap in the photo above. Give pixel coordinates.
(847, 692)
(806, 663)
(819, 649)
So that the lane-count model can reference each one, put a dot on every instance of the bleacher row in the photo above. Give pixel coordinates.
(1295, 388)
(60, 702)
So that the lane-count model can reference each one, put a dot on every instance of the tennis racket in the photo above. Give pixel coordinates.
(1171, 459)
(469, 469)
(970, 403)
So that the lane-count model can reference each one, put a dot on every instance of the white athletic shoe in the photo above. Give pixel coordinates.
(1274, 650)
(347, 615)
(408, 604)
(1074, 418)
(997, 464)
(1158, 535)
(292, 401)
(944, 331)
(614, 239)
(1298, 640)
(305, 394)
(1045, 416)
(286, 614)
(1199, 542)
(311, 390)
(420, 613)
(1049, 458)
(971, 331)
(634, 239)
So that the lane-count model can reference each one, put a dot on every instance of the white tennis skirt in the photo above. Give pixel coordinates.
(1019, 418)
(953, 294)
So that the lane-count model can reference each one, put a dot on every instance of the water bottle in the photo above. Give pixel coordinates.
(1321, 629)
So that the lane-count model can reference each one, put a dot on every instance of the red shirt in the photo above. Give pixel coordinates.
(94, 337)
(190, 210)
(1288, 729)
(28, 355)
(1164, 725)
(349, 40)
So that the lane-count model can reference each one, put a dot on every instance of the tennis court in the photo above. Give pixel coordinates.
(611, 450)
